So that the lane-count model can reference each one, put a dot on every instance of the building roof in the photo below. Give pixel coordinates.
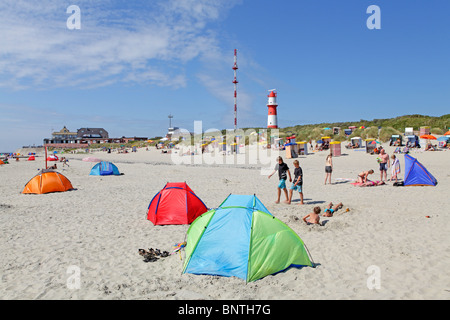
(64, 131)
(92, 133)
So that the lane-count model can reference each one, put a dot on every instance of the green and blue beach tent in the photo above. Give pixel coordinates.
(416, 174)
(104, 168)
(242, 238)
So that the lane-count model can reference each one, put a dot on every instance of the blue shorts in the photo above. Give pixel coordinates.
(383, 166)
(282, 184)
(296, 187)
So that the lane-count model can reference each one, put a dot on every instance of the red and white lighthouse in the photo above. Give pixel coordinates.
(272, 115)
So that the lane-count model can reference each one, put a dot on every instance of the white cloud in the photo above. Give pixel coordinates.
(119, 41)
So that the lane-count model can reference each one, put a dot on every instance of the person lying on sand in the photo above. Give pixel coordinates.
(369, 183)
(362, 177)
(313, 217)
(330, 210)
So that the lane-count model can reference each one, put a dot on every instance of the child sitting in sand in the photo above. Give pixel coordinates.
(313, 217)
(329, 211)
(362, 177)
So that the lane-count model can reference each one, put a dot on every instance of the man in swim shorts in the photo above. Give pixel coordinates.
(384, 164)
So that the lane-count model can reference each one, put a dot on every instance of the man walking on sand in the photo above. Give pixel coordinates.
(282, 169)
(384, 164)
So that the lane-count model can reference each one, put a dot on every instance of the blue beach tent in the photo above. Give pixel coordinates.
(416, 174)
(241, 238)
(104, 168)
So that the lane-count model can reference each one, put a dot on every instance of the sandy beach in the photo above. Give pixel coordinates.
(99, 227)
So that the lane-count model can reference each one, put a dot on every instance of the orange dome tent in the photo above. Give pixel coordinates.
(1, 162)
(46, 182)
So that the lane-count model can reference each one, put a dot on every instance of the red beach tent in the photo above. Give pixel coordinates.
(176, 203)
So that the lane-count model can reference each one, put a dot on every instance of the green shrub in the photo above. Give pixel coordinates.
(438, 131)
(386, 133)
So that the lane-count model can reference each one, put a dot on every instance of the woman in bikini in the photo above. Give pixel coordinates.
(328, 168)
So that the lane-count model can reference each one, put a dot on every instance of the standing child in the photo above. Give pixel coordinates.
(395, 168)
(297, 184)
(283, 171)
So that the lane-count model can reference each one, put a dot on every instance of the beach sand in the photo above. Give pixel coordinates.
(99, 227)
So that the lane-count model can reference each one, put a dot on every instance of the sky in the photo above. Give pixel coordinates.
(132, 63)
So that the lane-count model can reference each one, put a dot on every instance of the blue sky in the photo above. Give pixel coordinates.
(134, 62)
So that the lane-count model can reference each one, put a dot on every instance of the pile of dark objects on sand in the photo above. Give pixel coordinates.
(152, 254)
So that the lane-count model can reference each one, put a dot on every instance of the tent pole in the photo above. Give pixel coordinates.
(46, 158)
(310, 256)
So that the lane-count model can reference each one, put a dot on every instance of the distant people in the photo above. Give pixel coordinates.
(313, 217)
(328, 168)
(395, 168)
(362, 177)
(64, 161)
(330, 210)
(384, 164)
(297, 184)
(283, 171)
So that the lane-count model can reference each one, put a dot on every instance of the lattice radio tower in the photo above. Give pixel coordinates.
(235, 89)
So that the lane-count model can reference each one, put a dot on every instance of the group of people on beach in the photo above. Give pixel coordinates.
(385, 164)
(297, 183)
(283, 172)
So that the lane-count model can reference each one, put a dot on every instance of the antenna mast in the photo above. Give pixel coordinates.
(235, 89)
(170, 120)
